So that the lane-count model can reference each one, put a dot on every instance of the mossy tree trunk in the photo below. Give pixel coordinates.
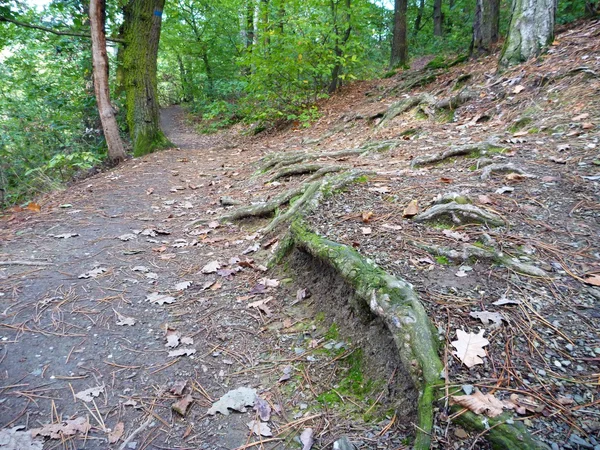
(141, 30)
(485, 26)
(97, 11)
(399, 56)
(531, 30)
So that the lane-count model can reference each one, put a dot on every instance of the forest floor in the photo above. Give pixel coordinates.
(121, 324)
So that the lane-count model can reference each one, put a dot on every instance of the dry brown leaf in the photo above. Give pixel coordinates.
(484, 199)
(366, 216)
(116, 434)
(66, 428)
(594, 280)
(481, 403)
(412, 209)
(469, 347)
(181, 406)
(580, 117)
(518, 89)
(35, 207)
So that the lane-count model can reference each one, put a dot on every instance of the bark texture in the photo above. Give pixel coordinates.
(437, 18)
(531, 31)
(116, 152)
(399, 56)
(485, 25)
(142, 22)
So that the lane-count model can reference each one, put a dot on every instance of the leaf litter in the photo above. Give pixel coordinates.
(469, 347)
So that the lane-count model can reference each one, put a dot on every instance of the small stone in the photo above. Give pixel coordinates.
(570, 347)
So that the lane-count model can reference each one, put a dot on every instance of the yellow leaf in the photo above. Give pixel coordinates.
(411, 210)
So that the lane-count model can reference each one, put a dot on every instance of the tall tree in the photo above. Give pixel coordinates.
(340, 38)
(485, 25)
(438, 17)
(116, 152)
(141, 31)
(531, 30)
(399, 55)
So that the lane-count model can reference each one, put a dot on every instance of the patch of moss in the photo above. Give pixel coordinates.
(439, 62)
(333, 333)
(520, 123)
(362, 179)
(389, 74)
(445, 116)
(320, 317)
(443, 260)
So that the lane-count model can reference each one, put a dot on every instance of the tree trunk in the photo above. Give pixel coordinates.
(339, 43)
(485, 26)
(116, 152)
(419, 18)
(249, 24)
(437, 18)
(531, 30)
(209, 74)
(142, 21)
(186, 85)
(399, 55)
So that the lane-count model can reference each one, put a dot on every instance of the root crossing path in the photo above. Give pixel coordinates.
(121, 325)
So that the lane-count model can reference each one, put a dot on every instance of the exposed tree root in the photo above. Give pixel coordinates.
(397, 304)
(410, 80)
(460, 214)
(472, 251)
(301, 169)
(505, 168)
(462, 150)
(501, 432)
(404, 105)
(276, 161)
(429, 103)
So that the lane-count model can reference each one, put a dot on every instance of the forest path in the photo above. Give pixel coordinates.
(114, 282)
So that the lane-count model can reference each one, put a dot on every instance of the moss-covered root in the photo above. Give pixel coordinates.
(503, 168)
(460, 214)
(313, 193)
(397, 304)
(461, 150)
(301, 169)
(472, 251)
(404, 105)
(501, 432)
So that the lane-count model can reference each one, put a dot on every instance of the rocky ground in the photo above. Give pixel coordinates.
(129, 308)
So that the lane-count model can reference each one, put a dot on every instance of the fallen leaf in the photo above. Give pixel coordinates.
(182, 352)
(514, 177)
(253, 248)
(521, 133)
(460, 433)
(236, 399)
(594, 280)
(182, 286)
(93, 273)
(504, 190)
(365, 230)
(181, 406)
(391, 227)
(506, 301)
(89, 394)
(127, 237)
(366, 216)
(14, 439)
(380, 190)
(481, 403)
(66, 428)
(306, 438)
(211, 267)
(267, 282)
(214, 224)
(469, 347)
(263, 409)
(486, 317)
(287, 374)
(580, 117)
(142, 269)
(588, 126)
(172, 340)
(446, 180)
(186, 340)
(456, 235)
(518, 88)
(116, 434)
(159, 299)
(64, 235)
(32, 206)
(412, 209)
(260, 428)
(122, 320)
(160, 249)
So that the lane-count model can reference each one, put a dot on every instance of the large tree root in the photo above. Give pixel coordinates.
(462, 150)
(472, 251)
(396, 303)
(301, 169)
(276, 161)
(460, 214)
(503, 168)
(428, 102)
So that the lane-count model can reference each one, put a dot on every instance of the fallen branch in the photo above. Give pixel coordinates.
(135, 432)
(24, 263)
(460, 214)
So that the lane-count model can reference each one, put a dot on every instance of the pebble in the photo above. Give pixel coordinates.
(570, 347)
